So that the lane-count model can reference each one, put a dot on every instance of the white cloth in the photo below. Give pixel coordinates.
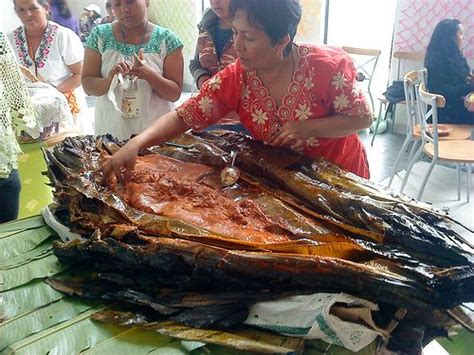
(108, 119)
(50, 105)
(309, 317)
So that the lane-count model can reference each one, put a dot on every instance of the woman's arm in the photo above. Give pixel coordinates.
(200, 74)
(169, 85)
(295, 133)
(92, 81)
(120, 165)
(74, 80)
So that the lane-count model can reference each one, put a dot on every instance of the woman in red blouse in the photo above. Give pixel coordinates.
(303, 97)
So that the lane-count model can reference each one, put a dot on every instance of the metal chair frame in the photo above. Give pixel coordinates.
(367, 67)
(399, 57)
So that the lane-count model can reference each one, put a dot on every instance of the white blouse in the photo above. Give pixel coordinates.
(59, 48)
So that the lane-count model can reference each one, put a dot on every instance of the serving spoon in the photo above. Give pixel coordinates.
(230, 174)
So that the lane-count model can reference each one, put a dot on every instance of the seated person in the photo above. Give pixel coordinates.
(449, 72)
(303, 97)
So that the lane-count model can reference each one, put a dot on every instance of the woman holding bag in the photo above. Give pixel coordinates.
(134, 67)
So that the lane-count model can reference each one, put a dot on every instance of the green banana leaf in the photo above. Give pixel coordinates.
(459, 344)
(20, 225)
(37, 253)
(37, 320)
(73, 336)
(134, 341)
(22, 242)
(26, 298)
(45, 267)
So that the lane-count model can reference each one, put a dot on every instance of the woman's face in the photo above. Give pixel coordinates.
(253, 45)
(32, 14)
(221, 8)
(460, 37)
(130, 13)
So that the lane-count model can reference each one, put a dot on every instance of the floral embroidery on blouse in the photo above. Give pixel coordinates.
(205, 104)
(43, 50)
(215, 83)
(259, 117)
(338, 81)
(323, 85)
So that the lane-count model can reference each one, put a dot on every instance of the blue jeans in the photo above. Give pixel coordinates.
(10, 196)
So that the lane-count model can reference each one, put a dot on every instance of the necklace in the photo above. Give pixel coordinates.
(142, 39)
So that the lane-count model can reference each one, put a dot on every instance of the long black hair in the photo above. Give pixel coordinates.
(443, 50)
(63, 8)
(277, 18)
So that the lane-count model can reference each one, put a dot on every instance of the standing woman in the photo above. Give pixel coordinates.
(150, 63)
(215, 45)
(449, 72)
(60, 13)
(52, 52)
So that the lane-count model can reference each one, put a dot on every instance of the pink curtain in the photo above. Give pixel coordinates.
(417, 19)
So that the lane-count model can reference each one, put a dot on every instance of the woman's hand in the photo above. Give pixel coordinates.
(140, 68)
(202, 79)
(119, 166)
(122, 67)
(293, 135)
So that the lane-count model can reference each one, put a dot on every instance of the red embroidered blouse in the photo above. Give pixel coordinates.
(323, 85)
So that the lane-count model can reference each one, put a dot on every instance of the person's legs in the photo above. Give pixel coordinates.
(10, 195)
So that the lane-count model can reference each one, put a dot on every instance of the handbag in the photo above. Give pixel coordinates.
(395, 93)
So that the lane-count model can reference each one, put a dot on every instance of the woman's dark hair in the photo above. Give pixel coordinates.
(443, 51)
(277, 18)
(62, 7)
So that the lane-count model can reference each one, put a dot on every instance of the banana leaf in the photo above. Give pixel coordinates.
(247, 339)
(39, 252)
(41, 268)
(21, 242)
(26, 298)
(20, 225)
(73, 336)
(37, 320)
(134, 341)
